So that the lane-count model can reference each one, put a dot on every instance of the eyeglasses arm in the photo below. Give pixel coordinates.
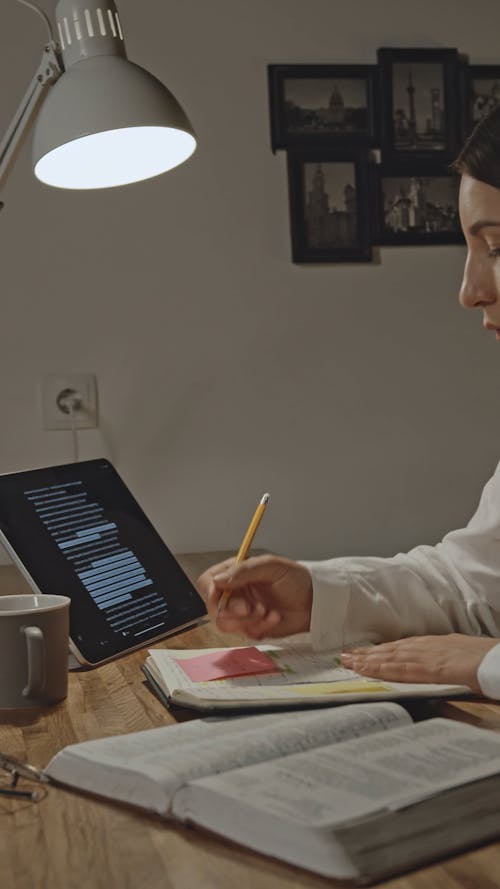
(21, 769)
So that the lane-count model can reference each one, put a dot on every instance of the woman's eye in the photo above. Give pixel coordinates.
(493, 252)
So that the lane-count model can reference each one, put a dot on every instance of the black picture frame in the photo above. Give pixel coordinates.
(415, 204)
(328, 192)
(480, 93)
(419, 104)
(340, 105)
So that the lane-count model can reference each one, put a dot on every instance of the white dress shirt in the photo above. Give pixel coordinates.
(453, 587)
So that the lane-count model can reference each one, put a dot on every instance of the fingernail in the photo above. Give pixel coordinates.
(224, 575)
(238, 607)
(346, 658)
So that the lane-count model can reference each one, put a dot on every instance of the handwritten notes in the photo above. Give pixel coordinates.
(228, 664)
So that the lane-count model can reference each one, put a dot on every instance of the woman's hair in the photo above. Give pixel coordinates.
(480, 156)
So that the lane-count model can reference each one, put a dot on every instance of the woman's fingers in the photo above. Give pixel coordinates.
(242, 580)
(395, 671)
(231, 576)
(263, 627)
(256, 625)
(453, 659)
(205, 583)
(265, 592)
(255, 570)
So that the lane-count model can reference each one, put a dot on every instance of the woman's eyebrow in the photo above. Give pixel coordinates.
(484, 223)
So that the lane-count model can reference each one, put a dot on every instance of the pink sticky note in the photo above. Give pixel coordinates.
(227, 664)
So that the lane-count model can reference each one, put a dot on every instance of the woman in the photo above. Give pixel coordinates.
(441, 604)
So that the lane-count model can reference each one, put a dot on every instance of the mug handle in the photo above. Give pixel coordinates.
(36, 661)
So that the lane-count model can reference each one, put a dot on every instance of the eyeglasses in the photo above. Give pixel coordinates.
(17, 770)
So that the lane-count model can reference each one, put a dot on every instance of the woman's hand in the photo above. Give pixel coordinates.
(452, 660)
(270, 596)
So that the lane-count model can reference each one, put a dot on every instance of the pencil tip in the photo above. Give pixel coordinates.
(265, 498)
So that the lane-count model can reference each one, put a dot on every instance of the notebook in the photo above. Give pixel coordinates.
(304, 678)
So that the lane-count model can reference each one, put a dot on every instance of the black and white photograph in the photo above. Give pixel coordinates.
(322, 103)
(486, 96)
(481, 93)
(418, 106)
(419, 100)
(327, 194)
(420, 207)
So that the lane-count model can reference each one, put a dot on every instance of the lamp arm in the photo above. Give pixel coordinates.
(50, 69)
(42, 15)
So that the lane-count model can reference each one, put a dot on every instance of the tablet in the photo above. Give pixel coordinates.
(76, 530)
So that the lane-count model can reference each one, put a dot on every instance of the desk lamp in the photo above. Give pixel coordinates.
(104, 120)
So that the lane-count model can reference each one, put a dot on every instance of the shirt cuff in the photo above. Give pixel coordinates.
(331, 594)
(488, 674)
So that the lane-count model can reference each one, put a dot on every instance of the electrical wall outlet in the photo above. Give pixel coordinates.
(57, 389)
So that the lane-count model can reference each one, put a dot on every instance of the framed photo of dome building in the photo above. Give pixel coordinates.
(323, 105)
(419, 103)
(415, 206)
(329, 218)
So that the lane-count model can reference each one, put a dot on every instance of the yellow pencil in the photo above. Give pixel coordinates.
(245, 545)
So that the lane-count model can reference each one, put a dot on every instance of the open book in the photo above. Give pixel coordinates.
(357, 792)
(307, 678)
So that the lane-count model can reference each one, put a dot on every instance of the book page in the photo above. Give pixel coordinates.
(333, 785)
(171, 756)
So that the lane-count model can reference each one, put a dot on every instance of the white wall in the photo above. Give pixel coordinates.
(362, 397)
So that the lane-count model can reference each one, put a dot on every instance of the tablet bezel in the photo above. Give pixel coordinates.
(82, 660)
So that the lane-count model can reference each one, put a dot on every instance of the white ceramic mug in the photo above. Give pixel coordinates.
(34, 639)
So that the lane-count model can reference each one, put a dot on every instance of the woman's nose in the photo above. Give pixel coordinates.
(478, 285)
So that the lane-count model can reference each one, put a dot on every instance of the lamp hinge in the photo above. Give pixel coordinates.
(51, 65)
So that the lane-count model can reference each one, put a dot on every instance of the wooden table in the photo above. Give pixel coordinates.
(71, 841)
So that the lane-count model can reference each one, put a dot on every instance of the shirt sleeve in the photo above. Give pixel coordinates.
(451, 587)
(488, 674)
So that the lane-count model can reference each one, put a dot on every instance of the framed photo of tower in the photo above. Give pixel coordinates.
(328, 192)
(420, 113)
(417, 205)
(324, 105)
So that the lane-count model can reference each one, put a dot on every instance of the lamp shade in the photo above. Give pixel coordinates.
(108, 122)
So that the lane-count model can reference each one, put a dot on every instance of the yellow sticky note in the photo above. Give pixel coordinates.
(350, 686)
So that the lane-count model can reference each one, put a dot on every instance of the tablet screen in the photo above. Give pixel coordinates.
(77, 531)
